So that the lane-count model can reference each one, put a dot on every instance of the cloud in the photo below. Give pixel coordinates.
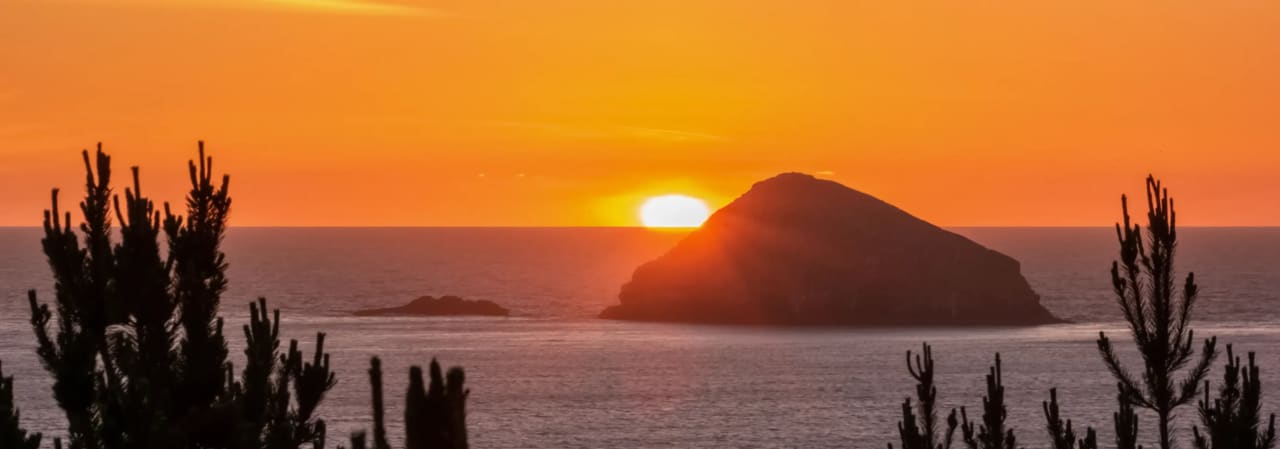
(673, 135)
(605, 132)
(548, 129)
(354, 7)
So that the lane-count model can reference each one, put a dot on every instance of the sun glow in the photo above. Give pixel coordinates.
(674, 211)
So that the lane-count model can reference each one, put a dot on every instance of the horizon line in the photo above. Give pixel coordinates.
(664, 229)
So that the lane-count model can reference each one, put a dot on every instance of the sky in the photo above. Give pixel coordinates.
(572, 112)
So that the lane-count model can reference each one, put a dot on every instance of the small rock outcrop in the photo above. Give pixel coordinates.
(797, 250)
(443, 306)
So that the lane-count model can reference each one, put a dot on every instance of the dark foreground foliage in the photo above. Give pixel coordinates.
(136, 349)
(12, 434)
(1234, 419)
(1159, 315)
(1172, 373)
(917, 430)
(134, 343)
(434, 415)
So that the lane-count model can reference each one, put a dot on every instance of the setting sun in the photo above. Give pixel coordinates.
(674, 211)
(634, 224)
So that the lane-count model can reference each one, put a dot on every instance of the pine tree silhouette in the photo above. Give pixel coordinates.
(992, 433)
(1126, 422)
(1233, 420)
(138, 356)
(1158, 317)
(1061, 433)
(917, 429)
(434, 414)
(12, 435)
(919, 432)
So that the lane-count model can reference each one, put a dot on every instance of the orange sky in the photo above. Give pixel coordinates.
(570, 112)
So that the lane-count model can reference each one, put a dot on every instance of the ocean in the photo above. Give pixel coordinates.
(553, 376)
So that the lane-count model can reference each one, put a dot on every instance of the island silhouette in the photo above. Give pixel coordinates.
(798, 250)
(447, 305)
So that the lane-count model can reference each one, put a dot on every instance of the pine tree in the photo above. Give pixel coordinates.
(1061, 433)
(919, 432)
(1158, 316)
(434, 414)
(138, 356)
(1233, 420)
(81, 278)
(992, 432)
(1126, 422)
(12, 435)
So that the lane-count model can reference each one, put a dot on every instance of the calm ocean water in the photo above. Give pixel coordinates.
(554, 377)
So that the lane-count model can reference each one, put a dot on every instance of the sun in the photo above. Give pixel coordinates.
(674, 211)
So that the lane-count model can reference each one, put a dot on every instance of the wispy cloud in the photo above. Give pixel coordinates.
(355, 7)
(673, 135)
(605, 132)
(548, 129)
